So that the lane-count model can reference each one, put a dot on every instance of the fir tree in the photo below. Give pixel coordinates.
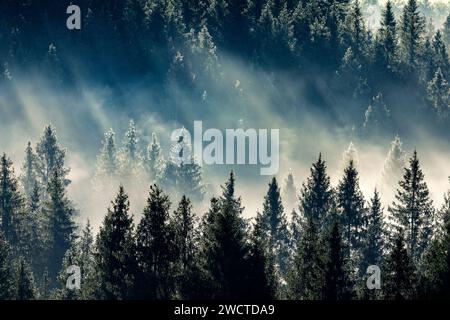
(337, 284)
(60, 226)
(438, 94)
(114, 252)
(351, 210)
(155, 248)
(316, 195)
(290, 193)
(224, 248)
(261, 263)
(50, 158)
(6, 285)
(29, 177)
(306, 278)
(153, 160)
(393, 167)
(11, 202)
(386, 43)
(25, 286)
(413, 210)
(130, 156)
(107, 162)
(275, 228)
(398, 272)
(412, 27)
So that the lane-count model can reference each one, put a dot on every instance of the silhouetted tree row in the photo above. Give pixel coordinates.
(321, 251)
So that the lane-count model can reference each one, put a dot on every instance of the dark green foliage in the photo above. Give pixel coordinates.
(399, 274)
(224, 245)
(337, 275)
(274, 227)
(60, 227)
(413, 209)
(351, 211)
(155, 249)
(6, 285)
(25, 286)
(114, 252)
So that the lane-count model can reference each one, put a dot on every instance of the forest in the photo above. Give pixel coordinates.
(300, 65)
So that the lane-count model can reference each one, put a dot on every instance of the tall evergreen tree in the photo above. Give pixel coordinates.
(413, 209)
(107, 160)
(398, 272)
(290, 193)
(386, 50)
(6, 285)
(25, 286)
(316, 195)
(155, 248)
(29, 177)
(11, 202)
(114, 252)
(306, 278)
(393, 168)
(50, 158)
(412, 28)
(130, 156)
(351, 211)
(438, 94)
(337, 279)
(224, 245)
(153, 160)
(60, 225)
(275, 228)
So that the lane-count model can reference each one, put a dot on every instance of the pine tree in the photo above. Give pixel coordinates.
(154, 160)
(155, 248)
(351, 210)
(306, 278)
(446, 31)
(440, 54)
(130, 156)
(393, 168)
(377, 115)
(290, 193)
(373, 245)
(356, 31)
(386, 50)
(11, 202)
(398, 272)
(29, 177)
(6, 285)
(25, 286)
(412, 28)
(337, 284)
(261, 263)
(275, 228)
(316, 195)
(50, 158)
(60, 226)
(114, 252)
(183, 223)
(107, 162)
(413, 210)
(438, 94)
(224, 247)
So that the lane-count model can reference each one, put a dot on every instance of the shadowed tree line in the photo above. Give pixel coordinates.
(320, 251)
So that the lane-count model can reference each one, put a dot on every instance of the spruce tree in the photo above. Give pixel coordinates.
(153, 160)
(107, 161)
(59, 213)
(263, 280)
(6, 285)
(11, 202)
(412, 28)
(316, 195)
(413, 209)
(438, 94)
(275, 228)
(130, 155)
(155, 248)
(114, 252)
(337, 279)
(29, 176)
(386, 43)
(306, 278)
(224, 245)
(290, 193)
(373, 244)
(25, 286)
(50, 158)
(393, 168)
(398, 272)
(351, 211)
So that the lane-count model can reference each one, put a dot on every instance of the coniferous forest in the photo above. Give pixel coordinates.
(349, 70)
